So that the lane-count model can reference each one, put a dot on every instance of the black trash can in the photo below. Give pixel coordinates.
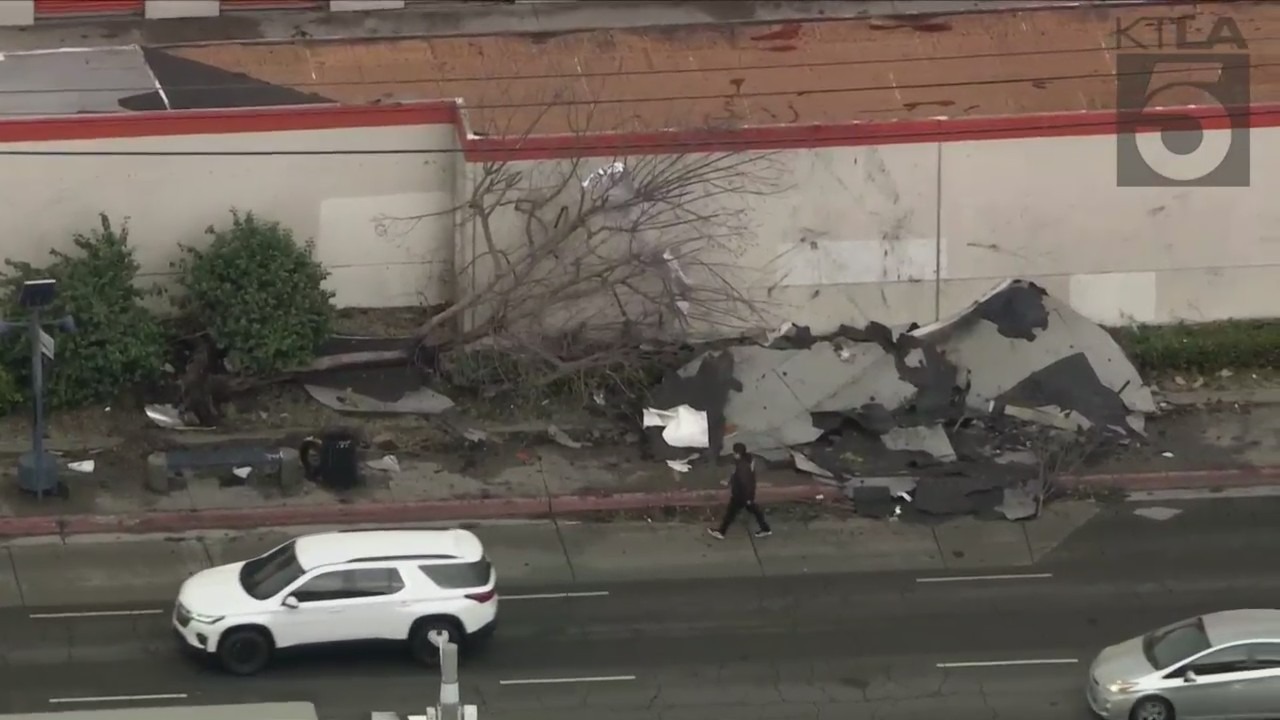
(332, 459)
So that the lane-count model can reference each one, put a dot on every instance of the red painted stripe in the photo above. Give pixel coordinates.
(320, 117)
(63, 8)
(223, 122)
(270, 4)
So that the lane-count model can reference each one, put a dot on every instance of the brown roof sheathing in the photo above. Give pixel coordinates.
(735, 76)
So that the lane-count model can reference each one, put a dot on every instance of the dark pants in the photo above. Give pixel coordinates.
(737, 505)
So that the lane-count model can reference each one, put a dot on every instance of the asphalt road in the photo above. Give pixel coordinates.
(851, 646)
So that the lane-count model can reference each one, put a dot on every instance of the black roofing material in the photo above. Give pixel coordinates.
(193, 85)
(1071, 384)
(883, 406)
(1017, 312)
(707, 390)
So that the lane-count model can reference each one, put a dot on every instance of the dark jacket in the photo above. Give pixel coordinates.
(742, 484)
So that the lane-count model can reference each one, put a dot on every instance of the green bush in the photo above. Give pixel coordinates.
(1204, 347)
(258, 293)
(118, 343)
(11, 394)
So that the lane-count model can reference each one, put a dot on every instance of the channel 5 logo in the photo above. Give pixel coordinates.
(1164, 65)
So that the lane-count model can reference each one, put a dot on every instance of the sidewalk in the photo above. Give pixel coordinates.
(50, 572)
(526, 476)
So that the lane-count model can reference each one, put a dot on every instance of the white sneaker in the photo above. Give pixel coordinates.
(763, 533)
(715, 533)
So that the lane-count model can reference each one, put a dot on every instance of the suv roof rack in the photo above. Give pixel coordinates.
(397, 558)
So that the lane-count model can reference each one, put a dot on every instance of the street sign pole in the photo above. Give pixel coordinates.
(35, 296)
(37, 400)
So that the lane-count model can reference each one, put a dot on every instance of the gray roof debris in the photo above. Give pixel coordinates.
(950, 403)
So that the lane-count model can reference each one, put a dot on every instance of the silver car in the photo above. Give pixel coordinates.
(1220, 666)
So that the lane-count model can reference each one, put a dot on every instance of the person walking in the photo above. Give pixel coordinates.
(742, 495)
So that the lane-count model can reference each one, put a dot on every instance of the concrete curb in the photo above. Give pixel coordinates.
(390, 513)
(541, 507)
(1176, 480)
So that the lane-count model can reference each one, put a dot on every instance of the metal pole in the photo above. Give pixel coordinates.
(37, 392)
(449, 696)
(449, 706)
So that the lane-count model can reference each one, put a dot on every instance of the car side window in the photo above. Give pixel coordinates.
(1227, 660)
(348, 584)
(1265, 655)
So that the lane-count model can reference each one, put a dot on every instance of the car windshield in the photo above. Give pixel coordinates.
(264, 577)
(1174, 643)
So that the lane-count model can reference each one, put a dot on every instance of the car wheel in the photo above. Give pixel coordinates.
(244, 651)
(1152, 708)
(425, 651)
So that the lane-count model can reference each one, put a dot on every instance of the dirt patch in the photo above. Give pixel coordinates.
(1242, 379)
(380, 322)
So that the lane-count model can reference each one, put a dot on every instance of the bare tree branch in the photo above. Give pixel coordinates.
(584, 263)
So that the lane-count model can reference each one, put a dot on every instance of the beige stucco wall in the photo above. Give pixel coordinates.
(896, 233)
(352, 205)
(835, 236)
(905, 233)
(1050, 209)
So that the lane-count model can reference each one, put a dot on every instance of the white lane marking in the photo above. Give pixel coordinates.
(118, 698)
(99, 613)
(554, 596)
(1202, 494)
(975, 578)
(563, 681)
(1010, 663)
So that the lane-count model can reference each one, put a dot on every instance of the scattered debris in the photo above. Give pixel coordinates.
(898, 486)
(960, 404)
(388, 390)
(682, 466)
(873, 501)
(805, 465)
(1016, 457)
(1018, 503)
(81, 466)
(1157, 513)
(475, 435)
(166, 416)
(682, 426)
(562, 438)
(931, 439)
(386, 463)
(1166, 454)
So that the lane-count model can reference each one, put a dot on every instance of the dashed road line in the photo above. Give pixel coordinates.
(566, 681)
(1008, 663)
(980, 578)
(555, 596)
(119, 698)
(93, 614)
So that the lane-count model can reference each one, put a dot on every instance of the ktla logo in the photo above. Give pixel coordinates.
(1161, 143)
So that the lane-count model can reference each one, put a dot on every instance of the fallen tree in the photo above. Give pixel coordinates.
(584, 270)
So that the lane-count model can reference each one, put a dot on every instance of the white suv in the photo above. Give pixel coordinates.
(341, 587)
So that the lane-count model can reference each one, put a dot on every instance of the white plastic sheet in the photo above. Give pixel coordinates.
(682, 426)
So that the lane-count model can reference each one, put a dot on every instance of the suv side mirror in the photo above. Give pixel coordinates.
(291, 602)
(1189, 677)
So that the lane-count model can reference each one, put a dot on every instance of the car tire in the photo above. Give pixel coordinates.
(244, 651)
(1152, 708)
(424, 651)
